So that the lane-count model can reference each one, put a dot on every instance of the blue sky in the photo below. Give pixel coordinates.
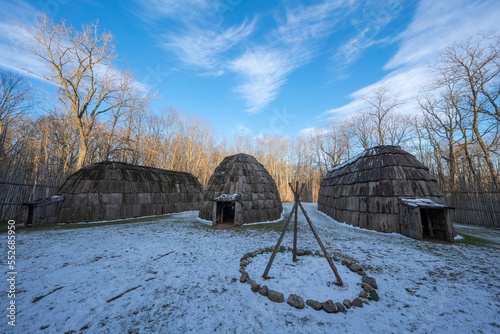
(265, 67)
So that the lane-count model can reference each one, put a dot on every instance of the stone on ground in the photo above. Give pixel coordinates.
(275, 296)
(347, 303)
(357, 302)
(329, 307)
(296, 301)
(314, 304)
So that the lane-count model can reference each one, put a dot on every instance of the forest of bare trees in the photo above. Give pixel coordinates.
(93, 111)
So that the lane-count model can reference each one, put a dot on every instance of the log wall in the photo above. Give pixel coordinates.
(475, 207)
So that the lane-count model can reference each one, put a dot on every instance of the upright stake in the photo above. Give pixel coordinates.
(319, 242)
(277, 247)
(295, 225)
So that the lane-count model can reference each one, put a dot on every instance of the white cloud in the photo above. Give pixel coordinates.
(242, 130)
(307, 132)
(264, 69)
(195, 34)
(263, 72)
(12, 36)
(436, 25)
(153, 10)
(406, 85)
(312, 22)
(17, 9)
(203, 48)
(371, 21)
(264, 66)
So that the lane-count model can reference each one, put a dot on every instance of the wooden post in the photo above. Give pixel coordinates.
(214, 214)
(313, 229)
(296, 198)
(277, 247)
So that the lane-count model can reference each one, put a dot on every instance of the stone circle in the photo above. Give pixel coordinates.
(368, 284)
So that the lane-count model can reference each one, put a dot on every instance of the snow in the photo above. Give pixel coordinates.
(422, 202)
(348, 162)
(204, 221)
(268, 221)
(284, 272)
(423, 287)
(366, 153)
(227, 197)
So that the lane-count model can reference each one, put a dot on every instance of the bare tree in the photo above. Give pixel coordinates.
(80, 65)
(442, 123)
(332, 143)
(382, 106)
(473, 68)
(15, 99)
(363, 129)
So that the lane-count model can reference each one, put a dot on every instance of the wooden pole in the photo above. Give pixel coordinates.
(313, 229)
(277, 247)
(294, 252)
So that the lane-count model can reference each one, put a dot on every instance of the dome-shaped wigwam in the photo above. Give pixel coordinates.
(386, 189)
(240, 191)
(116, 190)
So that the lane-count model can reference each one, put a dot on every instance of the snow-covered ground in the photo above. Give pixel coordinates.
(423, 287)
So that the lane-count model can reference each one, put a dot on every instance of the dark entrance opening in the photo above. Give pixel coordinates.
(29, 221)
(433, 223)
(225, 212)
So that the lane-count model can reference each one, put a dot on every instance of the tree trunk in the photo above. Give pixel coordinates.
(82, 155)
(452, 161)
(469, 158)
(2, 137)
(487, 157)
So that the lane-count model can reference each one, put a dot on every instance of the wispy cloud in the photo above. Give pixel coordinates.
(14, 38)
(264, 65)
(195, 34)
(406, 85)
(203, 47)
(440, 23)
(372, 19)
(12, 35)
(154, 10)
(242, 130)
(263, 70)
(312, 22)
(436, 24)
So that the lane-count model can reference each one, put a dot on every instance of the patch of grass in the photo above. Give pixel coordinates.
(277, 226)
(194, 224)
(71, 226)
(4, 225)
(475, 241)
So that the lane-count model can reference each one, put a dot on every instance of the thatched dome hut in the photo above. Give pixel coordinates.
(386, 189)
(240, 191)
(116, 190)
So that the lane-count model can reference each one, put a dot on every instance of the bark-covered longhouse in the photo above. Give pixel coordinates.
(379, 190)
(116, 190)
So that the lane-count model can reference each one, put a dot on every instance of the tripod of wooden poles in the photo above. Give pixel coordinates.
(294, 213)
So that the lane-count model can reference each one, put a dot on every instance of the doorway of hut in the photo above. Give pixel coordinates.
(433, 223)
(29, 220)
(225, 212)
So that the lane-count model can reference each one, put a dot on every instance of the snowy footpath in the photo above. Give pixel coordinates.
(175, 274)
